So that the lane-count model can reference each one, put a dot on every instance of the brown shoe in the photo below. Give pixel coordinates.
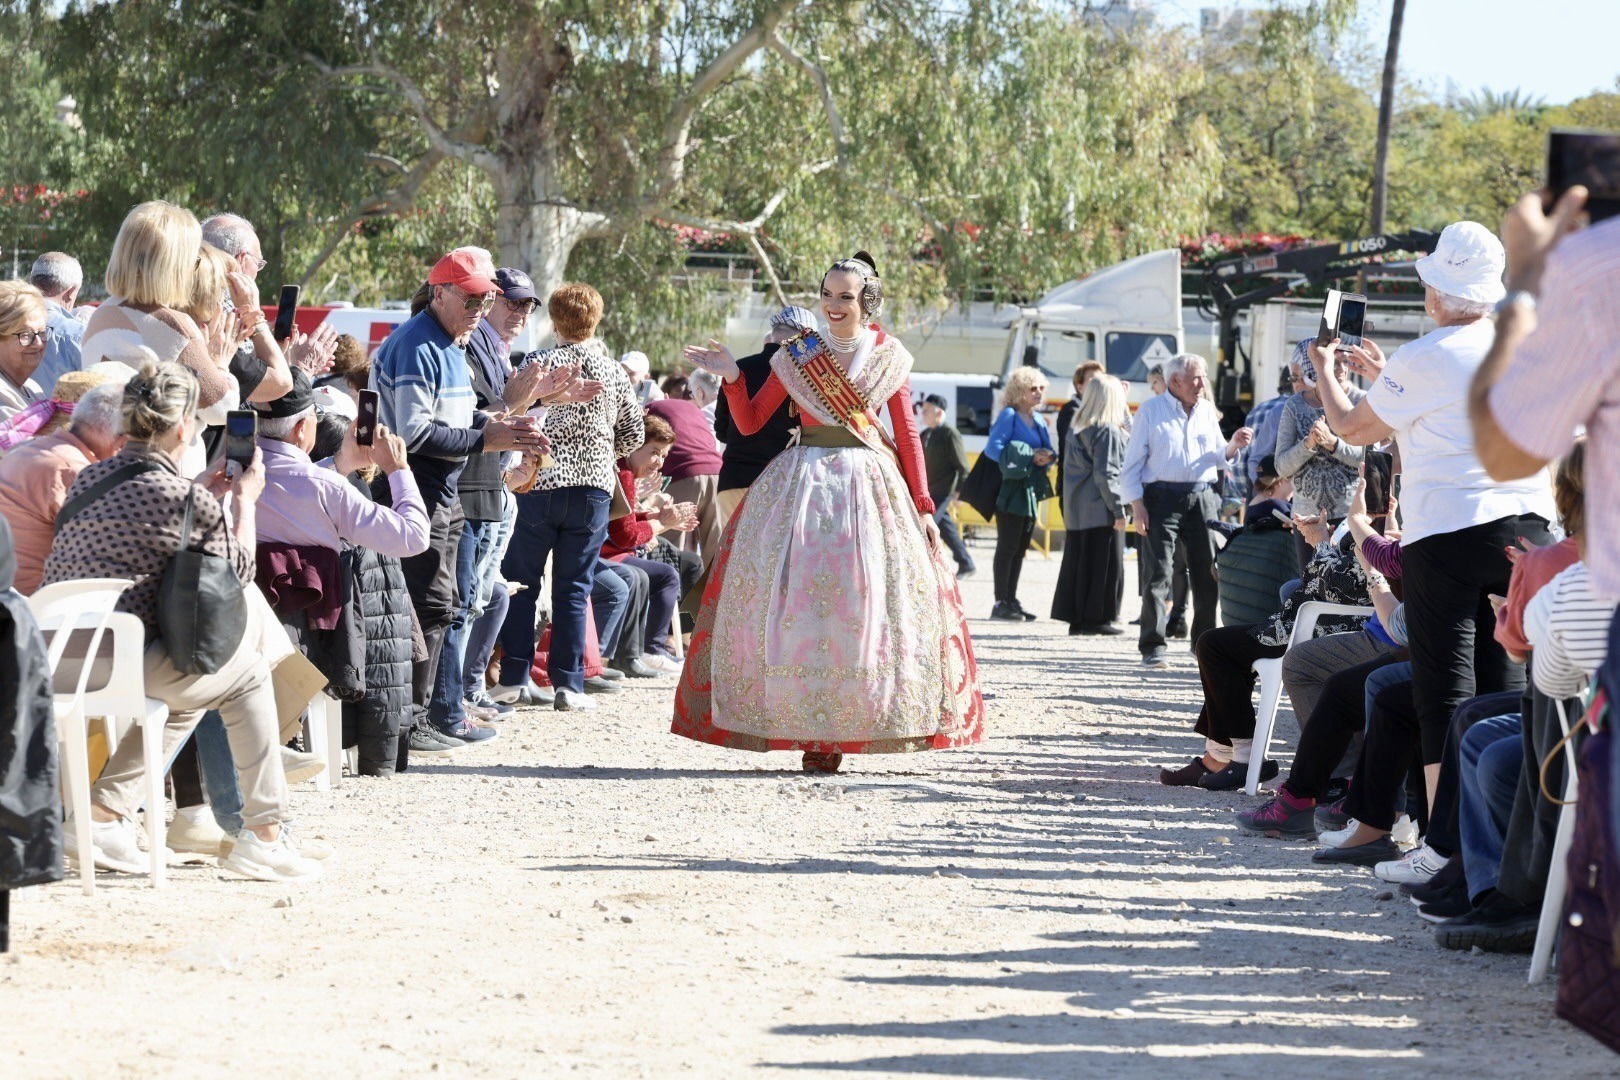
(1186, 776)
(822, 763)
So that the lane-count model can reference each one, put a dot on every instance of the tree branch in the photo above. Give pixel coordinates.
(441, 140)
(678, 129)
(835, 119)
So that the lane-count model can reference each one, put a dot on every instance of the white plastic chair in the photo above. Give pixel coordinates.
(1271, 680)
(69, 606)
(675, 635)
(1552, 904)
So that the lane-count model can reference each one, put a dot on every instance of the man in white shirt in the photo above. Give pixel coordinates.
(1175, 456)
(1457, 522)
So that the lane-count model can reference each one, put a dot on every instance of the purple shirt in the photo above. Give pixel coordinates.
(306, 504)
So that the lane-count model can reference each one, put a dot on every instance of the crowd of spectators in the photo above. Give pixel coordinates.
(404, 562)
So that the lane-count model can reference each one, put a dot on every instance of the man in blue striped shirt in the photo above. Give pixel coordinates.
(425, 395)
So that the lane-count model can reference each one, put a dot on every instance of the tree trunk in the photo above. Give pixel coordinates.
(536, 228)
(1386, 116)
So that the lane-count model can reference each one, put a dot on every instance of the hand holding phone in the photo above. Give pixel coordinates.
(241, 431)
(365, 425)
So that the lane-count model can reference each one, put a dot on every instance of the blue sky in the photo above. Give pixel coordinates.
(1553, 49)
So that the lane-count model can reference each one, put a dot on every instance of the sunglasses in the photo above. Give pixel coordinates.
(33, 337)
(482, 303)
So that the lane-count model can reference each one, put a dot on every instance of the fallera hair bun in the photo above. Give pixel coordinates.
(868, 260)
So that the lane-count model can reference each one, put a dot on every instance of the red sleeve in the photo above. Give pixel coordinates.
(910, 448)
(750, 415)
(630, 532)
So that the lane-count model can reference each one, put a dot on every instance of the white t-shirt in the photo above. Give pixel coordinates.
(1423, 395)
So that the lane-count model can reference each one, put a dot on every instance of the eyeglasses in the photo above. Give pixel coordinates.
(259, 261)
(33, 337)
(525, 307)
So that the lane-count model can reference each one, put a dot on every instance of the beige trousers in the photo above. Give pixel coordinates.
(703, 490)
(728, 501)
(242, 693)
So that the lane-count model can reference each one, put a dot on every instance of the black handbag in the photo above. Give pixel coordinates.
(982, 486)
(202, 611)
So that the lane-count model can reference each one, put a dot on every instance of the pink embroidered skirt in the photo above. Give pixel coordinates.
(828, 623)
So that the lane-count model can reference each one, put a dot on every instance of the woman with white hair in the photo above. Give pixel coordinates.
(831, 622)
(1456, 521)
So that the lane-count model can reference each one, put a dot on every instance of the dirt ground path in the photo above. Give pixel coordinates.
(592, 896)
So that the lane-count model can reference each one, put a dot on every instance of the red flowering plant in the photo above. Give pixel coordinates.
(28, 213)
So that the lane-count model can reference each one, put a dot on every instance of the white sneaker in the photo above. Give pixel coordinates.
(664, 665)
(112, 846)
(309, 847)
(1415, 866)
(1405, 833)
(1338, 837)
(502, 694)
(300, 766)
(200, 837)
(571, 700)
(275, 860)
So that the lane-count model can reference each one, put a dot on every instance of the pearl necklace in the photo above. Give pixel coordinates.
(843, 344)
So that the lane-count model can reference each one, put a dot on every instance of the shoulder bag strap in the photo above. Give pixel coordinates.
(75, 505)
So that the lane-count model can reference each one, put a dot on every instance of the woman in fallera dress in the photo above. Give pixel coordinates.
(831, 622)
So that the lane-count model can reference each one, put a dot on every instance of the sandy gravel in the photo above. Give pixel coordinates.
(593, 896)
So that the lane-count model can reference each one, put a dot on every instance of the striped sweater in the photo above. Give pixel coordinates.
(1568, 626)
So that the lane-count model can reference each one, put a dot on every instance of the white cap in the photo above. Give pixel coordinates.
(636, 363)
(332, 399)
(1468, 263)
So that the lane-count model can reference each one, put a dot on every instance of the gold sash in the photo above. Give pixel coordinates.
(827, 379)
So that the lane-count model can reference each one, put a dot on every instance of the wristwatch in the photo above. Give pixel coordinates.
(1519, 297)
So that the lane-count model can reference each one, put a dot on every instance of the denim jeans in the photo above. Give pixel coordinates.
(952, 536)
(1489, 759)
(612, 599)
(1383, 678)
(567, 525)
(444, 708)
(218, 771)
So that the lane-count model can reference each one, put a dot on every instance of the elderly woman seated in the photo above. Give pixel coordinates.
(23, 335)
(132, 528)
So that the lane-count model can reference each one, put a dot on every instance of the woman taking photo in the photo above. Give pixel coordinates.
(1322, 466)
(1091, 584)
(831, 623)
(125, 518)
(1020, 444)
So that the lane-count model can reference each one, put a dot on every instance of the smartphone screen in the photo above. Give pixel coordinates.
(1330, 318)
(1589, 158)
(1352, 318)
(241, 427)
(286, 308)
(365, 426)
(1380, 466)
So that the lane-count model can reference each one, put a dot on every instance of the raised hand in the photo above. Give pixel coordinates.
(1366, 359)
(716, 359)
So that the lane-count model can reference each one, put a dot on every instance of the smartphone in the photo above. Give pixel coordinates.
(1288, 522)
(241, 429)
(286, 308)
(1330, 318)
(1589, 158)
(1379, 470)
(365, 425)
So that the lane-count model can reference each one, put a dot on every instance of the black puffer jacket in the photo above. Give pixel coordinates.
(30, 790)
(1252, 569)
(377, 584)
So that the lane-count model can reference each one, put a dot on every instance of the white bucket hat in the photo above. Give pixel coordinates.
(1467, 263)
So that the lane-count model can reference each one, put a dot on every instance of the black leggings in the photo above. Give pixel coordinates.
(1340, 716)
(1013, 533)
(1224, 658)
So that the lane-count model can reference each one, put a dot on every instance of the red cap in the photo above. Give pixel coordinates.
(460, 268)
